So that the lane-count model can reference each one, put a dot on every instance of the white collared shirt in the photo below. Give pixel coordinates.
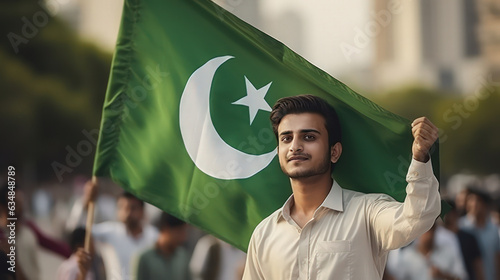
(349, 235)
(118, 248)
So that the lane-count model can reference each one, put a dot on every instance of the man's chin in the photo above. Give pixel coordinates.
(297, 173)
(132, 224)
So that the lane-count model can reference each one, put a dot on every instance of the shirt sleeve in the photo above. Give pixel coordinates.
(252, 268)
(202, 263)
(48, 242)
(396, 224)
(67, 271)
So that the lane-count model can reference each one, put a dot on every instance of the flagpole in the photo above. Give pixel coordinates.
(88, 225)
(90, 220)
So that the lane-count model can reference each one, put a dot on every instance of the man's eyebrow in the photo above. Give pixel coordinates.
(286, 132)
(309, 130)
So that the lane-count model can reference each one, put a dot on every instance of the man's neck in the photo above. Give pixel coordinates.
(308, 194)
(135, 232)
(479, 219)
(425, 249)
(165, 247)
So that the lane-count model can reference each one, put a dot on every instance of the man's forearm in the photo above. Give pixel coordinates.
(397, 224)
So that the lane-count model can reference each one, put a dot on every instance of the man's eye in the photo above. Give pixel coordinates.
(309, 137)
(285, 139)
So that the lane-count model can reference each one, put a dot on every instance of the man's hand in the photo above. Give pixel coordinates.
(90, 191)
(83, 259)
(424, 134)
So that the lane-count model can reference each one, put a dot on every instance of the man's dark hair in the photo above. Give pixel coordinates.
(481, 194)
(131, 196)
(307, 104)
(77, 239)
(168, 221)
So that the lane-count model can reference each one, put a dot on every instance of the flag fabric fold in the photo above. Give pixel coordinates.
(178, 129)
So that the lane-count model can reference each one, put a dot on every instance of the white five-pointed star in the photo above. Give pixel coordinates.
(255, 99)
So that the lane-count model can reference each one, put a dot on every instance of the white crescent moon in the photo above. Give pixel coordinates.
(209, 152)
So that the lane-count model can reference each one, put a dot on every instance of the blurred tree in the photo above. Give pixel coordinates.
(471, 133)
(469, 125)
(410, 102)
(52, 87)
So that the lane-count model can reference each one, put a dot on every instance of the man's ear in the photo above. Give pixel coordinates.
(335, 152)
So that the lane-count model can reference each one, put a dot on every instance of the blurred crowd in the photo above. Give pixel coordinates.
(137, 241)
(464, 245)
(134, 240)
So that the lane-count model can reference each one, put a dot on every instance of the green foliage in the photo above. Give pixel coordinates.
(52, 87)
(469, 125)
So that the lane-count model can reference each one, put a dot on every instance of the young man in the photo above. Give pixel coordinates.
(324, 231)
(479, 223)
(118, 242)
(167, 259)
(425, 260)
(469, 247)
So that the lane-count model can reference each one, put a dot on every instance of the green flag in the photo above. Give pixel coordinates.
(186, 118)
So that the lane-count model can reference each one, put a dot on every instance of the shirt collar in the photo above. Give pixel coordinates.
(333, 201)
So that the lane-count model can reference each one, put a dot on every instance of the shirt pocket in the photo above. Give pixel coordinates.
(333, 260)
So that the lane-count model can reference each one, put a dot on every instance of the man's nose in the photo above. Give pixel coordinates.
(296, 145)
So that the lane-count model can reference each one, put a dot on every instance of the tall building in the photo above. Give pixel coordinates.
(489, 36)
(96, 21)
(444, 43)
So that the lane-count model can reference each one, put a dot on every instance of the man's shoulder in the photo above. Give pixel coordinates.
(466, 224)
(108, 226)
(182, 254)
(109, 231)
(148, 252)
(267, 222)
(368, 198)
(147, 255)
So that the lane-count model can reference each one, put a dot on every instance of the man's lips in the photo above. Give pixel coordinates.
(297, 158)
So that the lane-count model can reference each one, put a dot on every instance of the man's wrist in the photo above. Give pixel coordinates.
(422, 157)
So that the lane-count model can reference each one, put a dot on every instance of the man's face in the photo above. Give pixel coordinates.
(428, 237)
(130, 211)
(475, 205)
(176, 235)
(303, 145)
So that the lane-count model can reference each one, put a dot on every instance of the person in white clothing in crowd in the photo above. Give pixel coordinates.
(120, 241)
(427, 260)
